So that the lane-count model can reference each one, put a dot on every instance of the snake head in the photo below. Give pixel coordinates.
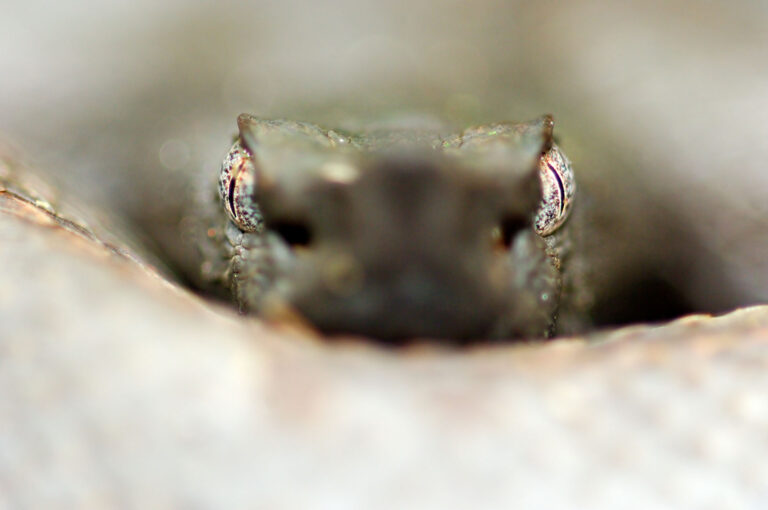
(399, 234)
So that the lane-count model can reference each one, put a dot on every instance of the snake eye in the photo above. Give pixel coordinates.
(558, 187)
(237, 183)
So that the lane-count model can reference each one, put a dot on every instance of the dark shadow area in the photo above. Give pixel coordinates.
(643, 299)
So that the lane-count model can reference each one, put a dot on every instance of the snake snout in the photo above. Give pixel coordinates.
(406, 251)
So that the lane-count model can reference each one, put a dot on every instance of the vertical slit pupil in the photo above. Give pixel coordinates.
(231, 196)
(560, 186)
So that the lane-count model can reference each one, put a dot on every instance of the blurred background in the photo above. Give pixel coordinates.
(662, 106)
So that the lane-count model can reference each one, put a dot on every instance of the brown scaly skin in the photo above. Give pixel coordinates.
(392, 234)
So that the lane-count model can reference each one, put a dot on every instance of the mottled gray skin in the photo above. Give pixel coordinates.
(402, 233)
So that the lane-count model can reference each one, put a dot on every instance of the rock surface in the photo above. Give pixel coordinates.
(120, 389)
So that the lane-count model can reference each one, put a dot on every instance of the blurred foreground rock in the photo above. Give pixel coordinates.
(120, 389)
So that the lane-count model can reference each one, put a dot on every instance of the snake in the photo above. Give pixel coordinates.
(396, 232)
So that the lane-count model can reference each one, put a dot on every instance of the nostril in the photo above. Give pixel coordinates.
(294, 233)
(506, 230)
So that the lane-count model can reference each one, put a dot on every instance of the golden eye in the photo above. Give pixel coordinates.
(558, 188)
(237, 183)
